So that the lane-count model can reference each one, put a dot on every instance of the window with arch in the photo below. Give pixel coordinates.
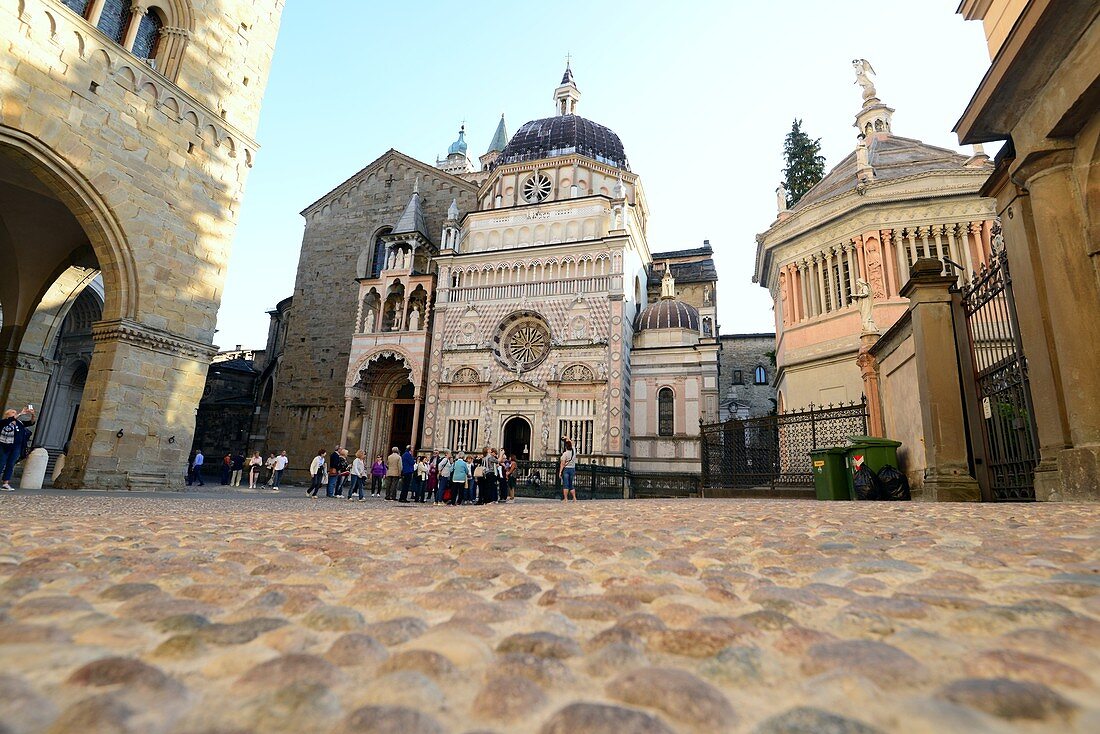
(145, 44)
(378, 258)
(115, 19)
(666, 422)
(760, 377)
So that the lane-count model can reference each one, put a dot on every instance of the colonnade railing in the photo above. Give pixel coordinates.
(531, 290)
(826, 281)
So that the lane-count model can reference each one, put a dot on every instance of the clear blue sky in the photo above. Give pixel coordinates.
(702, 94)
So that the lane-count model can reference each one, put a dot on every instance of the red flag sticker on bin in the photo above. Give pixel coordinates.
(858, 461)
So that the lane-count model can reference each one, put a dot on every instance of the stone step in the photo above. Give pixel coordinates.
(764, 492)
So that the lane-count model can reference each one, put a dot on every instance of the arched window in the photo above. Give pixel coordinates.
(145, 45)
(115, 18)
(761, 376)
(666, 423)
(79, 7)
(378, 261)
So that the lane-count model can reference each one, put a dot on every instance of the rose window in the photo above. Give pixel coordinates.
(537, 188)
(527, 345)
(522, 341)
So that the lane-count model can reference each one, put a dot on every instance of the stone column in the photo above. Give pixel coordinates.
(416, 422)
(125, 395)
(853, 267)
(947, 476)
(137, 12)
(899, 251)
(868, 369)
(1072, 306)
(819, 261)
(347, 420)
(95, 11)
(365, 428)
(804, 285)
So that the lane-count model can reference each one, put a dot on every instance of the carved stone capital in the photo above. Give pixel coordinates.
(155, 340)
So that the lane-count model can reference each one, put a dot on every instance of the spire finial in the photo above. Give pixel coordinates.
(568, 58)
(416, 185)
(668, 284)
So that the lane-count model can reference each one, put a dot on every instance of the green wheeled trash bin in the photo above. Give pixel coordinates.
(830, 482)
(874, 453)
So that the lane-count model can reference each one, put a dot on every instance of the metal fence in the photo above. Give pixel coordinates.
(594, 481)
(1005, 411)
(774, 450)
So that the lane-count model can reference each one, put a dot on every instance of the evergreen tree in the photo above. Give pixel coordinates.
(805, 164)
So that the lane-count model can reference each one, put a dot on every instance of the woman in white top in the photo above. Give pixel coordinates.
(358, 475)
(317, 470)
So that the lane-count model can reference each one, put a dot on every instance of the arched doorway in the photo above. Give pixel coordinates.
(71, 354)
(383, 401)
(517, 437)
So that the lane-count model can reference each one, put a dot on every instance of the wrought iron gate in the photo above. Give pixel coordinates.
(1004, 408)
(774, 450)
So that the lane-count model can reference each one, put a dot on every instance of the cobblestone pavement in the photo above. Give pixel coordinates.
(173, 614)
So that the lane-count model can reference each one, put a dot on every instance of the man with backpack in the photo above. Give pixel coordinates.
(14, 438)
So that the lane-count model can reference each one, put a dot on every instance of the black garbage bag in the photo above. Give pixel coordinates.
(866, 484)
(894, 484)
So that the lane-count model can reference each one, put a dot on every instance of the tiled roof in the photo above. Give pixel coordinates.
(668, 313)
(892, 157)
(564, 135)
(691, 272)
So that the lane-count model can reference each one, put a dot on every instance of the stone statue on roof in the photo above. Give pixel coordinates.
(866, 302)
(863, 79)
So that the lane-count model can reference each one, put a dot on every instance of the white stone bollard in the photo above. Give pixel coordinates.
(34, 469)
(57, 467)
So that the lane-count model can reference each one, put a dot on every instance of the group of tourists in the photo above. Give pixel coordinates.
(441, 477)
(235, 467)
(15, 441)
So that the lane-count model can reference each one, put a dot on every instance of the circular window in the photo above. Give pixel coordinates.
(522, 342)
(537, 188)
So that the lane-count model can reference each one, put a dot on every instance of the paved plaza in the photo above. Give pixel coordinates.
(202, 614)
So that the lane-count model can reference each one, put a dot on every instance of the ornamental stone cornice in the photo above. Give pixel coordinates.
(154, 340)
(893, 191)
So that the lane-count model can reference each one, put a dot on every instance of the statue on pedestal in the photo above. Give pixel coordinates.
(368, 320)
(866, 300)
(863, 70)
(414, 319)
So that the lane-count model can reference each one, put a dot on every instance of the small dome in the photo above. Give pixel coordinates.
(563, 135)
(668, 313)
(459, 146)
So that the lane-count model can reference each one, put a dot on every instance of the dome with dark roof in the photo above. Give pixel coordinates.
(668, 313)
(563, 135)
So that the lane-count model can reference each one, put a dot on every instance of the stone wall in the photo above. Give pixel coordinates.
(108, 137)
(744, 353)
(308, 408)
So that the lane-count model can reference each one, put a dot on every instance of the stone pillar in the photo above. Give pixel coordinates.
(1029, 290)
(95, 11)
(1072, 306)
(947, 476)
(819, 261)
(137, 416)
(868, 369)
(416, 423)
(347, 421)
(137, 12)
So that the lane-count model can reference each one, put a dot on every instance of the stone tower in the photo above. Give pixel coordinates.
(126, 137)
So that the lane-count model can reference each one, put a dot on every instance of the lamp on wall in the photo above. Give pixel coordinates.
(120, 433)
